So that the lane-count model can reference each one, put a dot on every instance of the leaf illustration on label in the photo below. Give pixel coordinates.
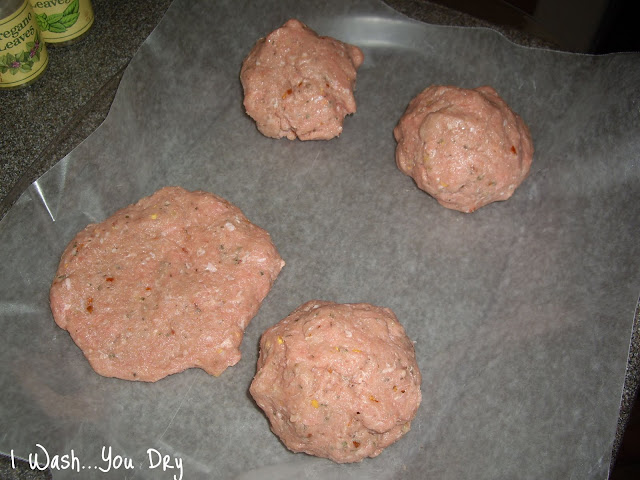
(34, 49)
(57, 28)
(69, 20)
(23, 61)
(54, 18)
(41, 20)
(59, 22)
(74, 7)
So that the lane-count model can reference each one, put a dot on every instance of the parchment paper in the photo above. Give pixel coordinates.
(521, 312)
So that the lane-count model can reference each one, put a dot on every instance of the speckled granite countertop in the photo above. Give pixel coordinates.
(74, 95)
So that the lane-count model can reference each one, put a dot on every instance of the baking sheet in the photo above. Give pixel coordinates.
(521, 312)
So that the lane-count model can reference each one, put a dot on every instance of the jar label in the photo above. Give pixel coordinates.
(23, 54)
(63, 20)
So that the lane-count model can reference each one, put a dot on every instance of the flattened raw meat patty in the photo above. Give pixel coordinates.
(338, 380)
(466, 148)
(164, 285)
(298, 84)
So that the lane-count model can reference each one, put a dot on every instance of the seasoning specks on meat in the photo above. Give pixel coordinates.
(466, 148)
(300, 85)
(338, 380)
(163, 285)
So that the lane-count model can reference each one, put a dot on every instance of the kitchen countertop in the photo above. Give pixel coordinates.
(72, 98)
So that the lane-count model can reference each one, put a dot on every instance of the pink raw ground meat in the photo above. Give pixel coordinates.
(164, 285)
(338, 380)
(466, 148)
(298, 84)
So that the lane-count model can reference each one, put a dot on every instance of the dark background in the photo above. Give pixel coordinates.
(585, 26)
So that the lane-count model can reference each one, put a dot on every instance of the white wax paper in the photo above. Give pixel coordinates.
(521, 312)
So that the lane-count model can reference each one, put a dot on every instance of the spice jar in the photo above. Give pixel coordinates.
(23, 54)
(63, 22)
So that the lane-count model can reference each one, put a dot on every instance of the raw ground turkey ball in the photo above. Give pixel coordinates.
(298, 84)
(164, 285)
(338, 380)
(466, 148)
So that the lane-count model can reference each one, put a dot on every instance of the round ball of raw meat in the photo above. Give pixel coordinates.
(298, 84)
(466, 148)
(338, 381)
(163, 285)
